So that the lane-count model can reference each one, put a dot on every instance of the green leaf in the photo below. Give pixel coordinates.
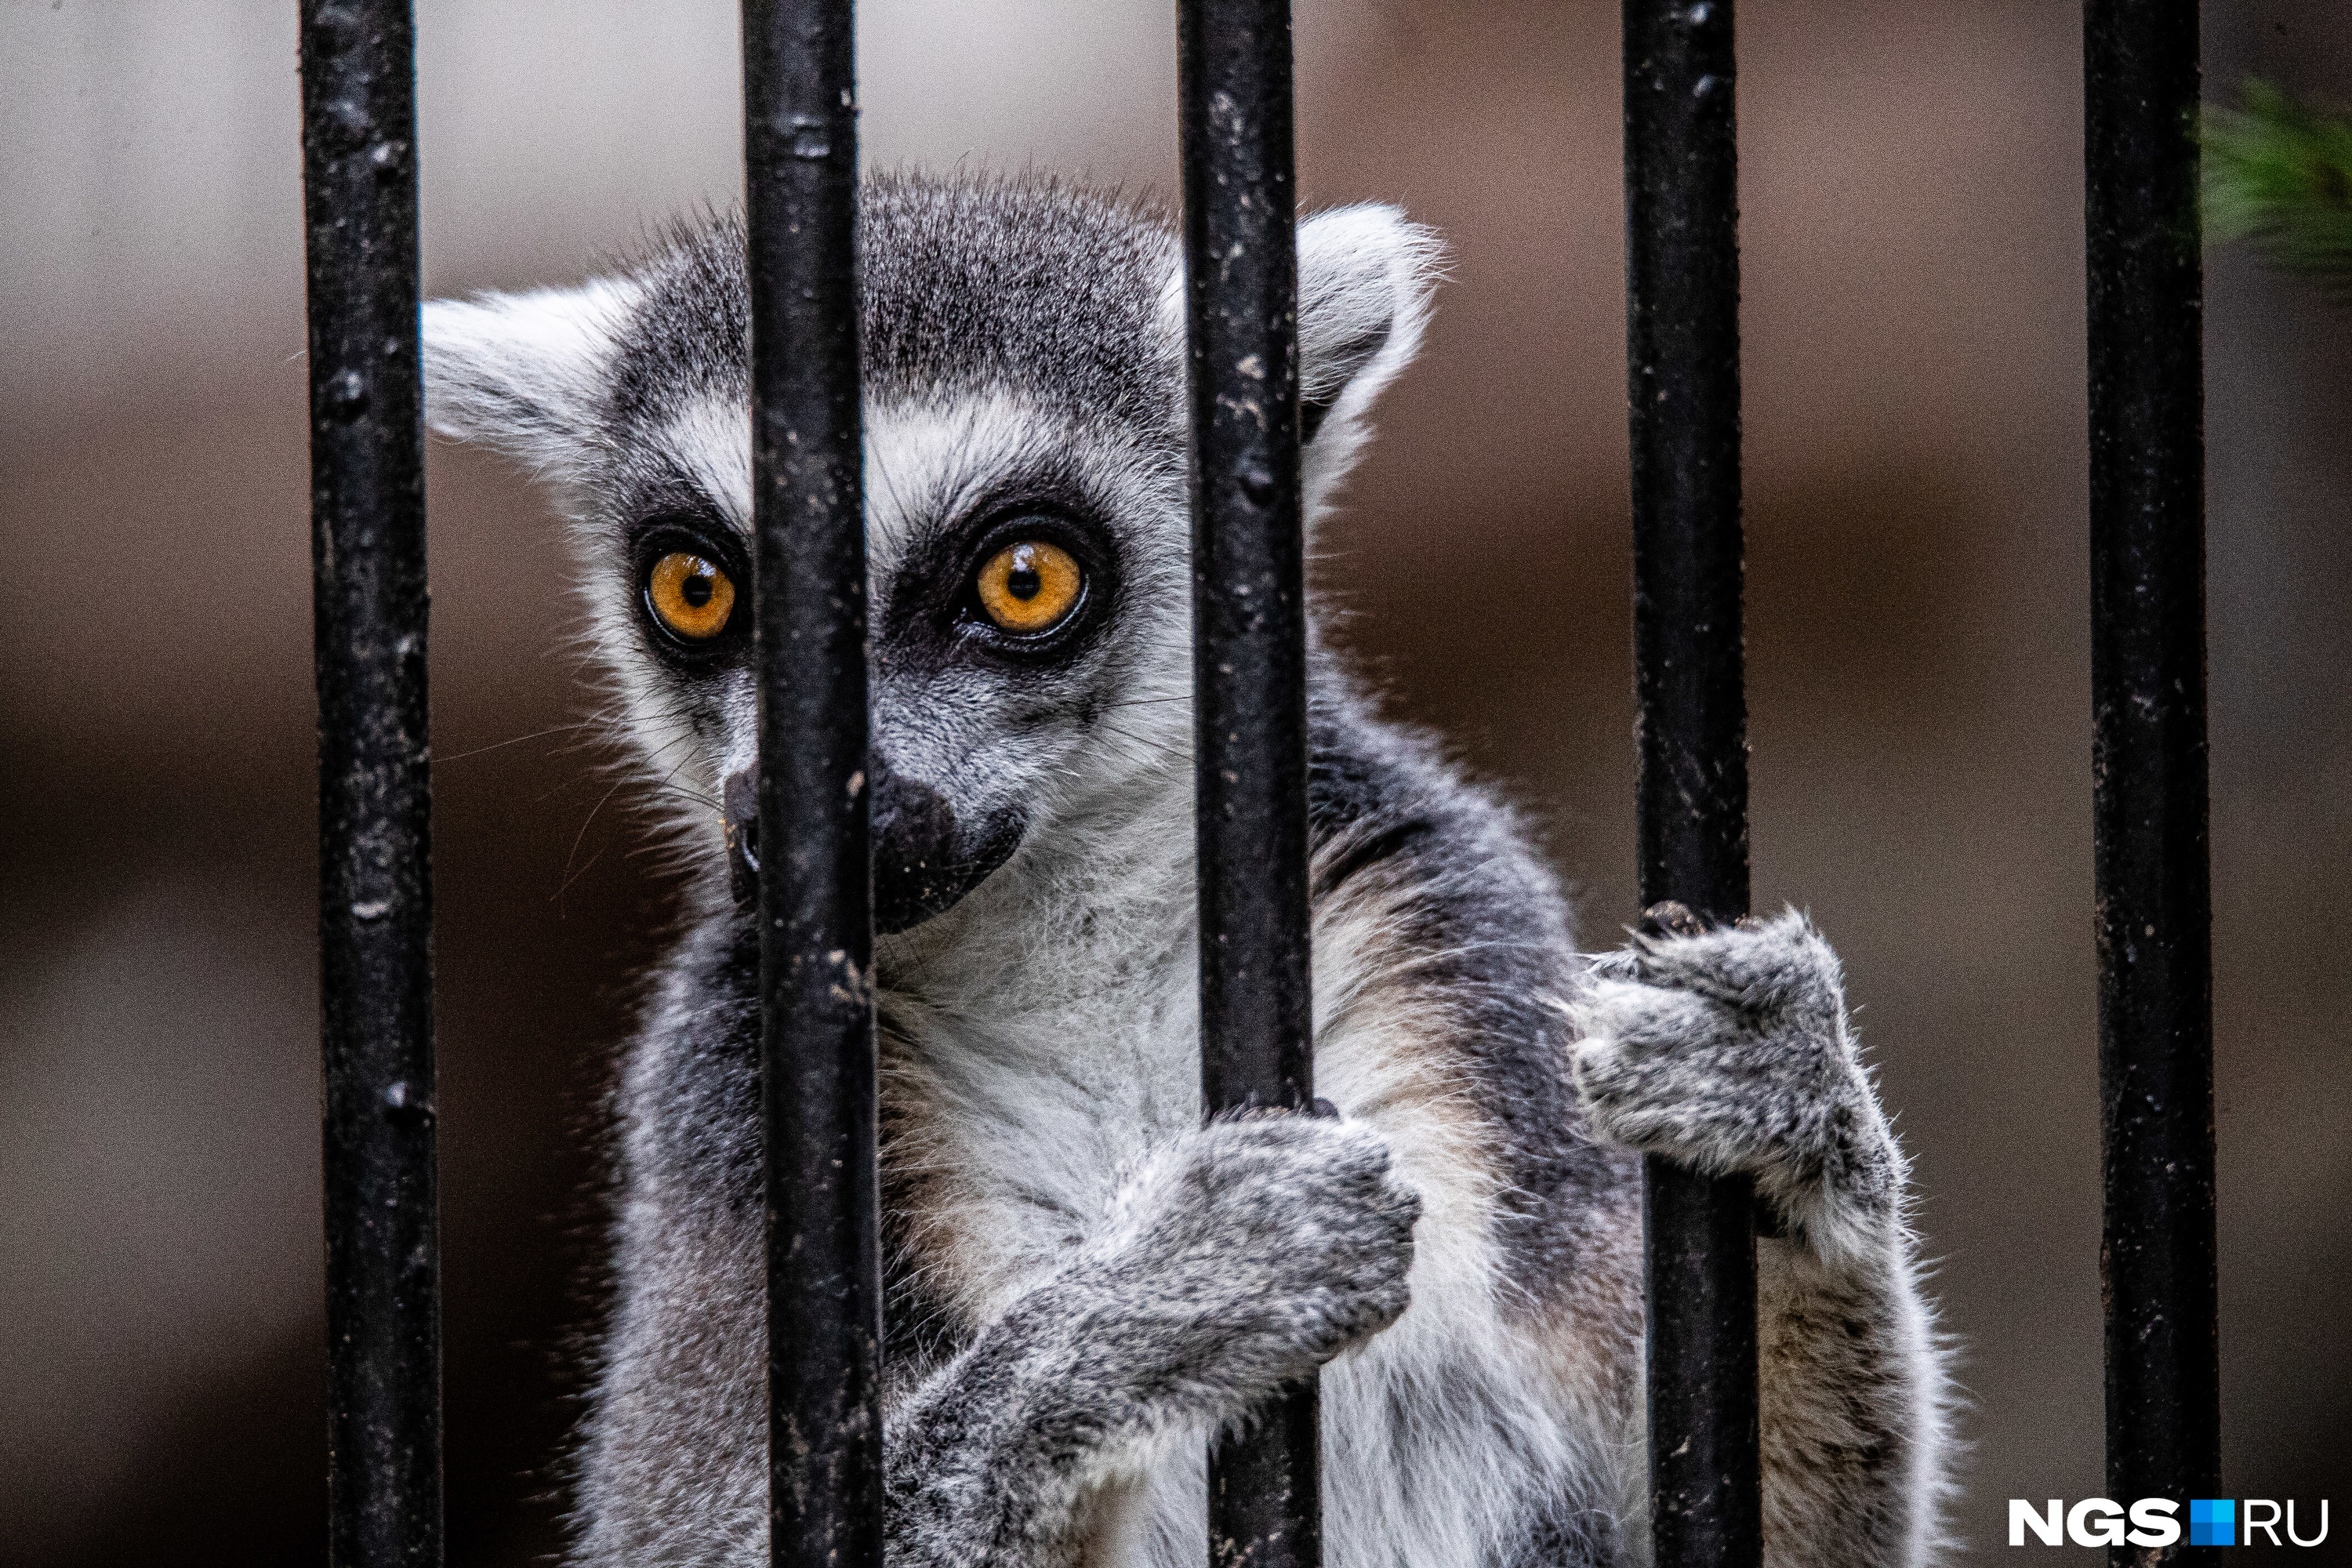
(2279, 174)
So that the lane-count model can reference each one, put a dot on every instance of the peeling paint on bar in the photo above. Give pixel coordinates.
(375, 890)
(2149, 846)
(1681, 279)
(1233, 65)
(816, 947)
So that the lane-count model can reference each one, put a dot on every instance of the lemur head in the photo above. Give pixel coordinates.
(1026, 526)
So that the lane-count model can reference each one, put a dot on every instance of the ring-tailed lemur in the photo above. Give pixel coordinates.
(1085, 1281)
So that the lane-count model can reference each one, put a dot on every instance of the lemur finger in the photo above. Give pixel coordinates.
(1692, 1044)
(1667, 1103)
(1791, 1108)
(1642, 1017)
(1778, 964)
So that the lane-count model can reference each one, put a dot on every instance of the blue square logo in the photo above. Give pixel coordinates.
(2212, 1522)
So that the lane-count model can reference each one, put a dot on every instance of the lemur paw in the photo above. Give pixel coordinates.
(1728, 1049)
(1252, 1250)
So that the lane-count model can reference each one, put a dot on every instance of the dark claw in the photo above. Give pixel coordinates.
(1323, 1110)
(1670, 918)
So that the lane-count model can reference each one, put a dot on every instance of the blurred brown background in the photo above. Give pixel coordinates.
(1918, 645)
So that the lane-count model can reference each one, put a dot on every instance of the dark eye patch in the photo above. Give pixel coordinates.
(666, 598)
(931, 612)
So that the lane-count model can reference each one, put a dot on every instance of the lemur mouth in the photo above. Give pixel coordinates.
(925, 861)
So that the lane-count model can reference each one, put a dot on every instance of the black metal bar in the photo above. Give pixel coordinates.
(1682, 276)
(375, 888)
(1249, 666)
(2150, 812)
(816, 931)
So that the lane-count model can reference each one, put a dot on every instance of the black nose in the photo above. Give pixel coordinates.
(742, 799)
(920, 866)
(924, 860)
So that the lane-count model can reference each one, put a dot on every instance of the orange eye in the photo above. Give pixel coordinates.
(690, 596)
(1030, 586)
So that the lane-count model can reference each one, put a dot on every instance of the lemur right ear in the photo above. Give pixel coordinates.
(528, 374)
(1365, 275)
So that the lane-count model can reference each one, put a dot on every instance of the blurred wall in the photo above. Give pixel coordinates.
(1911, 196)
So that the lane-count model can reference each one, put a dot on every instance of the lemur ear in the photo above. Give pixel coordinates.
(528, 374)
(1365, 275)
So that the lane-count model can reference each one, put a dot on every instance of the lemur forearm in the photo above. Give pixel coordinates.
(983, 1464)
(1850, 1418)
(1730, 1050)
(1234, 1258)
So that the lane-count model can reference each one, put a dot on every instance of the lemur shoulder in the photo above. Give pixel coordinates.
(1085, 1282)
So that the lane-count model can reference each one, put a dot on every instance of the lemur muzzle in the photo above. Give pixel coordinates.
(924, 861)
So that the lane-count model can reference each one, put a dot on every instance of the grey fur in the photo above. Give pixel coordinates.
(1086, 1283)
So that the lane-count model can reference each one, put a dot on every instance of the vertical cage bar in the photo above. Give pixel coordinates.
(817, 932)
(2149, 803)
(375, 909)
(1682, 276)
(1249, 666)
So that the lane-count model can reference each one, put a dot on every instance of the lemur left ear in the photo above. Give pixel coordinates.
(1365, 275)
(528, 373)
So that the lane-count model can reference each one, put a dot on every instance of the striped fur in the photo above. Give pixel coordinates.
(1085, 1284)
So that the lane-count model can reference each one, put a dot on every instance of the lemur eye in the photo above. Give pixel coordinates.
(1030, 587)
(690, 596)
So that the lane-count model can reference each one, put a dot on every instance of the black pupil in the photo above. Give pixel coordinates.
(696, 589)
(1023, 582)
